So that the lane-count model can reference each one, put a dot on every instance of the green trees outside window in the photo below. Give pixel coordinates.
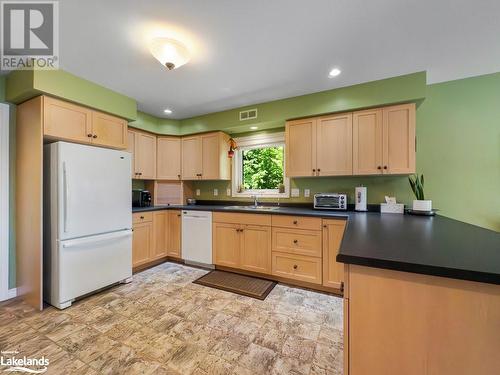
(263, 168)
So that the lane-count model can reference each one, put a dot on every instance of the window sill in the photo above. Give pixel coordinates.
(261, 195)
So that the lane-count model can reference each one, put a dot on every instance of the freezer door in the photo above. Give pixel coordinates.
(90, 263)
(94, 190)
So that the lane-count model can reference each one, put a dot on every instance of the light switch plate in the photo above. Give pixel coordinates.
(295, 192)
(198, 192)
(307, 193)
(228, 192)
(216, 192)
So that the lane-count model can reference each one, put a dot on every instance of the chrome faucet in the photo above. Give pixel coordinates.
(255, 203)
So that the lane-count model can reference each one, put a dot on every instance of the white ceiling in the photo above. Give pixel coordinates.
(247, 52)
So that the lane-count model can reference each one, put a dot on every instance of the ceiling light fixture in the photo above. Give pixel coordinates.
(254, 127)
(334, 72)
(167, 111)
(169, 52)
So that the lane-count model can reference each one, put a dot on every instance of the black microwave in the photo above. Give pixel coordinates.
(141, 198)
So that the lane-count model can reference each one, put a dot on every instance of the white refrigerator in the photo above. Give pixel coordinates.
(87, 220)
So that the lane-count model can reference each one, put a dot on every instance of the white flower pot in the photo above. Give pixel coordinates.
(425, 205)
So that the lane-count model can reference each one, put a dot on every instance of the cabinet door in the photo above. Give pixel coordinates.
(174, 234)
(255, 254)
(333, 272)
(131, 149)
(66, 121)
(191, 158)
(109, 131)
(142, 242)
(300, 140)
(160, 234)
(367, 142)
(145, 155)
(210, 157)
(334, 145)
(168, 158)
(399, 139)
(226, 244)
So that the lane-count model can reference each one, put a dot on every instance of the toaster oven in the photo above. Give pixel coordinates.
(330, 201)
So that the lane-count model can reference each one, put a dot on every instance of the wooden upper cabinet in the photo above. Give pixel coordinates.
(109, 131)
(131, 149)
(226, 244)
(399, 139)
(144, 156)
(204, 157)
(74, 123)
(333, 272)
(63, 120)
(300, 150)
(191, 158)
(367, 142)
(174, 234)
(255, 252)
(210, 156)
(168, 158)
(334, 145)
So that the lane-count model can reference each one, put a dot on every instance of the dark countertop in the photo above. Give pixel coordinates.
(436, 245)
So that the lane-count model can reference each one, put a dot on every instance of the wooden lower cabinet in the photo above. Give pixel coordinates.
(297, 267)
(226, 243)
(333, 271)
(174, 234)
(160, 234)
(255, 251)
(142, 243)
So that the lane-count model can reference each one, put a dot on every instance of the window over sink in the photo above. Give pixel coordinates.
(259, 167)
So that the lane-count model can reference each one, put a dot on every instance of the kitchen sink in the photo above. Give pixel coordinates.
(251, 207)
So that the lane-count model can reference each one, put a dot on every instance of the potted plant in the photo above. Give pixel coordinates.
(417, 185)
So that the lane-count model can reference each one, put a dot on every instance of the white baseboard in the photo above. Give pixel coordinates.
(11, 293)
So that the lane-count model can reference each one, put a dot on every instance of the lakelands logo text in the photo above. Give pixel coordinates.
(10, 363)
(30, 35)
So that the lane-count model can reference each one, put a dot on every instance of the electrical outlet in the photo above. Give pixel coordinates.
(307, 193)
(228, 192)
(216, 192)
(198, 192)
(295, 192)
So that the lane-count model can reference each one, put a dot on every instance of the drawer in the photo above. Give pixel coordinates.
(142, 217)
(297, 241)
(241, 218)
(299, 222)
(297, 267)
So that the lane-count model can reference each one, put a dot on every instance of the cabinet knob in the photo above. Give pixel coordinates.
(89, 135)
(295, 241)
(295, 222)
(379, 167)
(295, 266)
(385, 166)
(324, 226)
(94, 136)
(142, 217)
(319, 170)
(314, 170)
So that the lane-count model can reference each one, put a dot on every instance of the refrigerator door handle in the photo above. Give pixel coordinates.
(65, 197)
(95, 239)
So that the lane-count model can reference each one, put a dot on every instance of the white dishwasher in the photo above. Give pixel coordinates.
(197, 238)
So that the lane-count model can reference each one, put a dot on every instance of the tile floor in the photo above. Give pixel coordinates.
(161, 323)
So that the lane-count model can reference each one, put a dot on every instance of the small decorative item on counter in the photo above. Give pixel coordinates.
(391, 207)
(232, 146)
(240, 189)
(281, 188)
(417, 186)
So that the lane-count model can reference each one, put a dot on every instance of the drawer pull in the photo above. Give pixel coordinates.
(295, 266)
(94, 136)
(295, 241)
(142, 217)
(295, 222)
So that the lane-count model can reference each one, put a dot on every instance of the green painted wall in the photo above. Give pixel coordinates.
(156, 125)
(2, 89)
(25, 84)
(407, 88)
(458, 132)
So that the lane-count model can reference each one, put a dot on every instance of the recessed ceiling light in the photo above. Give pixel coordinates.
(334, 72)
(167, 111)
(254, 127)
(171, 53)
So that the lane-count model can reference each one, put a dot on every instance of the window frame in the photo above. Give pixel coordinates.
(252, 142)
